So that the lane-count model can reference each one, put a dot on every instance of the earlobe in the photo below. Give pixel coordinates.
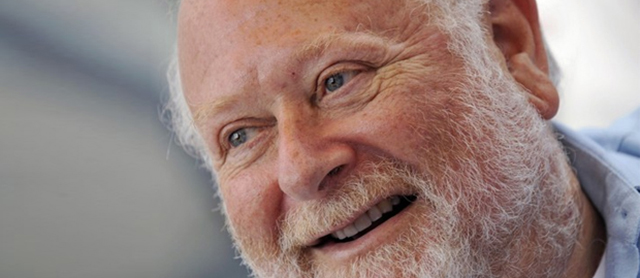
(516, 32)
(542, 92)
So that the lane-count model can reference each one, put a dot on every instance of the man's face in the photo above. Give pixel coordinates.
(348, 140)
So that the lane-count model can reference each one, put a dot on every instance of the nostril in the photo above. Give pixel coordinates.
(335, 171)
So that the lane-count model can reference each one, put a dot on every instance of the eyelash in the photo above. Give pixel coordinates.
(322, 88)
(254, 132)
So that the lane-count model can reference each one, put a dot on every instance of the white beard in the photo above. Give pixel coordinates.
(503, 209)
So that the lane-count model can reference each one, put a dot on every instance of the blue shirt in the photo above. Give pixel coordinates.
(607, 163)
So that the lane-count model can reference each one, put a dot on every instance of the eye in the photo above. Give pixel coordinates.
(237, 137)
(244, 134)
(337, 80)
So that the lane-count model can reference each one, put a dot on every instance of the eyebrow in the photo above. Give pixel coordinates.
(316, 47)
(203, 111)
(351, 41)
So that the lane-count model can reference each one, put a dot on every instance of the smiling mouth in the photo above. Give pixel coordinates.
(369, 220)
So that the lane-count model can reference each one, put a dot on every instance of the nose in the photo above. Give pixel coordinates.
(310, 159)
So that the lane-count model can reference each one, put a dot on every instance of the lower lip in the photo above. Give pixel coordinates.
(381, 234)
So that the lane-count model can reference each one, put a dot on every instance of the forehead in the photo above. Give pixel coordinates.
(229, 36)
(258, 21)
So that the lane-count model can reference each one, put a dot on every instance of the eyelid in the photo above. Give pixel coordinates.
(250, 124)
(343, 67)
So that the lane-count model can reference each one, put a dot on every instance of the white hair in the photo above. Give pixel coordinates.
(178, 118)
(538, 198)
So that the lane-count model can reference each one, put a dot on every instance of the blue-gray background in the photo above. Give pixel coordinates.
(91, 184)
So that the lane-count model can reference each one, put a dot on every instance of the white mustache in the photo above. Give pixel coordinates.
(345, 200)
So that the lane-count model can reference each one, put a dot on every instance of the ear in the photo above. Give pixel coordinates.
(516, 32)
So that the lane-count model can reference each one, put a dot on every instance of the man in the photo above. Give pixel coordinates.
(396, 138)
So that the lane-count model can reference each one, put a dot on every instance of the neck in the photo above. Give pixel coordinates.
(591, 242)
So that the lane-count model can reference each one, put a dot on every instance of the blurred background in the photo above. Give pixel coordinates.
(91, 183)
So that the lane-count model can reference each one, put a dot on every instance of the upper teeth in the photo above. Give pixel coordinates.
(366, 219)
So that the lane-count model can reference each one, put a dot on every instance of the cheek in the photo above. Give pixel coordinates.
(252, 204)
(417, 115)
